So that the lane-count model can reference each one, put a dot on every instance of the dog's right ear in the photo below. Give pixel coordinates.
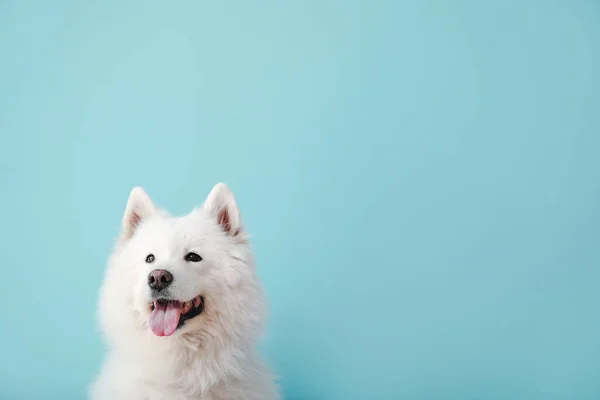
(221, 204)
(139, 207)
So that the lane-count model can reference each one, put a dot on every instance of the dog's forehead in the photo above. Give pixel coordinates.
(168, 229)
(197, 221)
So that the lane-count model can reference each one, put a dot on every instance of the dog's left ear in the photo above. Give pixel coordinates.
(221, 204)
(139, 207)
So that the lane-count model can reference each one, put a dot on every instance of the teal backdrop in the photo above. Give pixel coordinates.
(421, 180)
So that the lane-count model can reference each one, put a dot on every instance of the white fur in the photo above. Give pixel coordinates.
(213, 356)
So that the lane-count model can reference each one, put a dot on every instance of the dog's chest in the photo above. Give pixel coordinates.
(188, 384)
(174, 394)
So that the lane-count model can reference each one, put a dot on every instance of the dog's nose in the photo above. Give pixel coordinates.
(159, 279)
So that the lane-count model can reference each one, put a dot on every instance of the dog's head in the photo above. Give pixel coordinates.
(191, 276)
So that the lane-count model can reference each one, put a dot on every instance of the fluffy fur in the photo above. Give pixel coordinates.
(213, 355)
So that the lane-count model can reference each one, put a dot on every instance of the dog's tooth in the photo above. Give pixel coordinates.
(197, 301)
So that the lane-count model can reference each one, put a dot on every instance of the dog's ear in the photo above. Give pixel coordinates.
(221, 204)
(139, 207)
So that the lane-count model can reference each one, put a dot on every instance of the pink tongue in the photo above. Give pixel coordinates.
(165, 318)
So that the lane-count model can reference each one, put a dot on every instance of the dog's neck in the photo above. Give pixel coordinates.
(187, 362)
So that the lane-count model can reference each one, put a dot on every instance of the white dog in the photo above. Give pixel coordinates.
(182, 308)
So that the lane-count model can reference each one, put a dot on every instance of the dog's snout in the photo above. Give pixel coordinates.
(159, 279)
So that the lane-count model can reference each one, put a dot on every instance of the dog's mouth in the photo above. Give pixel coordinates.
(166, 316)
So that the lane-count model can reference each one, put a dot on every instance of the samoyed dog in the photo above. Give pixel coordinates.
(181, 307)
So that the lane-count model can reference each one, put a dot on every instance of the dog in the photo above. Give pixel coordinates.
(181, 307)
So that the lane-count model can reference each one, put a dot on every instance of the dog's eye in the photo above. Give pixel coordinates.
(193, 257)
(150, 258)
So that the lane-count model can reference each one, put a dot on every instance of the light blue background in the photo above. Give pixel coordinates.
(421, 179)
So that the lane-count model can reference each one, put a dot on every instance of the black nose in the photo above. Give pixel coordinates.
(159, 279)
